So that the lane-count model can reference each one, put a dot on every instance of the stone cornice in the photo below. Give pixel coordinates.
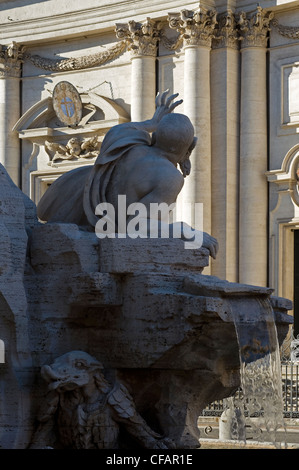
(142, 38)
(11, 58)
(71, 19)
(194, 27)
(254, 28)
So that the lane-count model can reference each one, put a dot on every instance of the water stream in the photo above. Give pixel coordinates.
(261, 402)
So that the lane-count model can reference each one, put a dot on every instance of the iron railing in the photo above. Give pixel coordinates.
(290, 389)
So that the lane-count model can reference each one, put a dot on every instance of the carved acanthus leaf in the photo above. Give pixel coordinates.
(142, 38)
(11, 58)
(195, 27)
(254, 29)
(226, 34)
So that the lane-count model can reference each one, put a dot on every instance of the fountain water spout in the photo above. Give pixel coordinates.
(256, 316)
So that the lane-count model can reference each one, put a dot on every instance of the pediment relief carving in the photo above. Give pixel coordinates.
(50, 148)
(287, 177)
(98, 112)
(75, 150)
(62, 144)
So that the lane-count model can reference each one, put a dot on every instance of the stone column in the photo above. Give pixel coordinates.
(142, 39)
(225, 104)
(253, 149)
(10, 71)
(196, 29)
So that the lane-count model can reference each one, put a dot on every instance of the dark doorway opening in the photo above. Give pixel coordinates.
(296, 283)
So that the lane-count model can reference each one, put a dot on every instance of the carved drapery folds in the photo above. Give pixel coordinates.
(194, 27)
(254, 28)
(11, 58)
(142, 38)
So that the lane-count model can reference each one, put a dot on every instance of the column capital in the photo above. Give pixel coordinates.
(254, 28)
(11, 58)
(226, 32)
(142, 38)
(195, 27)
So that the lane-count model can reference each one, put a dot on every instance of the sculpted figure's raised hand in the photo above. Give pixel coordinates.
(145, 162)
(164, 106)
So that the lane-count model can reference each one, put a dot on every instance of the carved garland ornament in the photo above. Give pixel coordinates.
(291, 32)
(78, 63)
(139, 38)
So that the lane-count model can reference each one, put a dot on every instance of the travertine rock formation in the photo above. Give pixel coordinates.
(140, 307)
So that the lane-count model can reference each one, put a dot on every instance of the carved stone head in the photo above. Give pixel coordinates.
(70, 371)
(175, 133)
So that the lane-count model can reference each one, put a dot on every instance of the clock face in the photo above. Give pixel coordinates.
(67, 104)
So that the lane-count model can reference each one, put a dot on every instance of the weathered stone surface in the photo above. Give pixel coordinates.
(168, 334)
(165, 332)
(165, 255)
(17, 217)
(92, 416)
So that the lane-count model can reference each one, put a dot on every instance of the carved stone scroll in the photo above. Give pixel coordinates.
(226, 32)
(11, 58)
(141, 37)
(254, 29)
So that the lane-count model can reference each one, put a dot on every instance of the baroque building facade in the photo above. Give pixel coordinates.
(234, 63)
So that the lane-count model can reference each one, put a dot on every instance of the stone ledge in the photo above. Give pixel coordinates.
(164, 255)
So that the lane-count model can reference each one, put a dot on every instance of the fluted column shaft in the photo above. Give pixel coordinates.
(197, 107)
(142, 40)
(10, 69)
(197, 28)
(253, 150)
(225, 108)
(143, 85)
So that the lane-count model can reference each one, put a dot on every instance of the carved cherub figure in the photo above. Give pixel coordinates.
(86, 410)
(90, 147)
(74, 149)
